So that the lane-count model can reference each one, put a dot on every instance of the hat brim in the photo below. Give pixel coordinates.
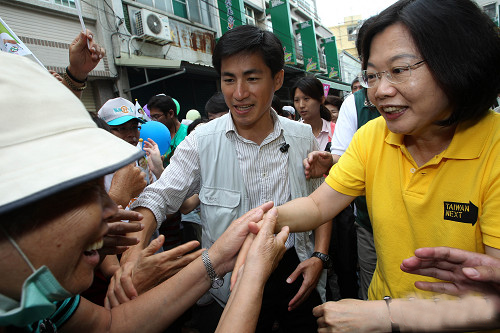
(92, 153)
(123, 120)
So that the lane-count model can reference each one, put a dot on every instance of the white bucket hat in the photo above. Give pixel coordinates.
(48, 142)
(118, 111)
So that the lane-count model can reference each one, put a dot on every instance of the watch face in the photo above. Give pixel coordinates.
(217, 283)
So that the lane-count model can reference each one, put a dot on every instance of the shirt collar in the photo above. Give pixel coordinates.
(277, 129)
(468, 141)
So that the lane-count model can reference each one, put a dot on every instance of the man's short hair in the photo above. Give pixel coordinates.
(163, 103)
(216, 104)
(461, 47)
(250, 39)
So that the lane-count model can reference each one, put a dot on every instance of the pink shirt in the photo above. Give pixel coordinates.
(325, 135)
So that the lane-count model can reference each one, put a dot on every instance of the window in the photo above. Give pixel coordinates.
(249, 15)
(65, 3)
(491, 11)
(193, 10)
(165, 5)
(352, 32)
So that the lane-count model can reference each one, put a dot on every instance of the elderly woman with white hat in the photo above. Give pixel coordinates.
(53, 214)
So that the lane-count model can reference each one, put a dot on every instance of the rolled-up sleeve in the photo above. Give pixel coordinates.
(179, 181)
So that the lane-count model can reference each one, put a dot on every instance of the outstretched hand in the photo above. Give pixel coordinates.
(136, 277)
(224, 251)
(317, 164)
(465, 271)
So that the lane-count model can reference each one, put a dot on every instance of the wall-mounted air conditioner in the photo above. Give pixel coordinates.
(152, 27)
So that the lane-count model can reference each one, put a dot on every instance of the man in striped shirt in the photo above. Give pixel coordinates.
(240, 161)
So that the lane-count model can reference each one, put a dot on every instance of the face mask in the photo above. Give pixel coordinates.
(39, 292)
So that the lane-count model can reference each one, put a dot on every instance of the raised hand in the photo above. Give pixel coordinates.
(317, 164)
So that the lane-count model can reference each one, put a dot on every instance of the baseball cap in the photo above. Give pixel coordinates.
(49, 143)
(289, 109)
(118, 111)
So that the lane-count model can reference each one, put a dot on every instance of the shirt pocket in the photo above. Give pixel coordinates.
(219, 207)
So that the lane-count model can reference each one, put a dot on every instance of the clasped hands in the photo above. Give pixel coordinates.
(140, 272)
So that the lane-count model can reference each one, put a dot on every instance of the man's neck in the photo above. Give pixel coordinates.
(174, 128)
(257, 131)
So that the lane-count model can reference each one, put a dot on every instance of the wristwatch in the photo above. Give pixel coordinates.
(217, 281)
(325, 258)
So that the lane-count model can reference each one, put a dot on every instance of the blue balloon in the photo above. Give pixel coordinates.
(158, 132)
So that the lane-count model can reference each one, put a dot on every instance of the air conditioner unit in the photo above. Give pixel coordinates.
(152, 27)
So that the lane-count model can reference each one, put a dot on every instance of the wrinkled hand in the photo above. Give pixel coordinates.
(136, 277)
(56, 75)
(466, 271)
(127, 183)
(310, 270)
(116, 241)
(154, 157)
(266, 249)
(224, 251)
(317, 164)
(82, 58)
(351, 315)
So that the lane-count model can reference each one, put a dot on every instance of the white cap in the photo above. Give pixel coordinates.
(118, 111)
(49, 143)
(289, 109)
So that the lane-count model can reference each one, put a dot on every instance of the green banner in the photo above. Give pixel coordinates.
(231, 14)
(309, 46)
(332, 59)
(282, 28)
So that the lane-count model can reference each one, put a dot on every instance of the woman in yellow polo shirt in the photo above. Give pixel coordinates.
(430, 166)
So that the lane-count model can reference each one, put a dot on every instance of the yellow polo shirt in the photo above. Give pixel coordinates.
(453, 200)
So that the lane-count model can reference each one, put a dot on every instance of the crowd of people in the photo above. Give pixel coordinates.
(373, 213)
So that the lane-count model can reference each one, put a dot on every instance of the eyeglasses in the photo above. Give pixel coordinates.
(126, 129)
(156, 116)
(395, 75)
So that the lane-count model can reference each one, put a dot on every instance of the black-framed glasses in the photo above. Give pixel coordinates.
(397, 74)
(126, 129)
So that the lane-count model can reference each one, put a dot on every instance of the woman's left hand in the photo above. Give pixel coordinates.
(352, 315)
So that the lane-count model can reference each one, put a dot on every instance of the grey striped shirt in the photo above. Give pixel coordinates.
(264, 168)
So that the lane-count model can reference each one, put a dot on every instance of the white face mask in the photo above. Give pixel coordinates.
(40, 290)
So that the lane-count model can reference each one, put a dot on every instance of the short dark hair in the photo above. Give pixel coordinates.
(162, 102)
(460, 45)
(277, 105)
(353, 82)
(192, 126)
(216, 104)
(334, 100)
(250, 39)
(313, 88)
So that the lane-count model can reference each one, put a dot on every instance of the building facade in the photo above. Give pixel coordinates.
(491, 8)
(165, 46)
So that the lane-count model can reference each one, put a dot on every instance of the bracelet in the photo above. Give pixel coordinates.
(72, 77)
(72, 85)
(394, 325)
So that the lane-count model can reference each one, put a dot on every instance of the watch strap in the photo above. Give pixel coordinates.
(325, 258)
(214, 278)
